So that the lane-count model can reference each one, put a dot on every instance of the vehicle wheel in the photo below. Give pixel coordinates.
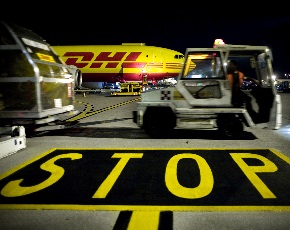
(159, 122)
(230, 127)
(155, 130)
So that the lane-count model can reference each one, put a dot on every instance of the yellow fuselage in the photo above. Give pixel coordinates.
(121, 63)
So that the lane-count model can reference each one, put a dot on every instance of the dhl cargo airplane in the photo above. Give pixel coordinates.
(129, 62)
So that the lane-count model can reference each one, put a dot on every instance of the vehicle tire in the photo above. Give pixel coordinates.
(230, 126)
(159, 122)
(155, 130)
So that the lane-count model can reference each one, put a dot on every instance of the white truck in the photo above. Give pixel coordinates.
(202, 96)
(36, 87)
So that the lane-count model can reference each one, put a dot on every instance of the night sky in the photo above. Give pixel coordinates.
(177, 26)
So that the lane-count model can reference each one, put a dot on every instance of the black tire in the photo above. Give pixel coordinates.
(155, 130)
(159, 122)
(230, 126)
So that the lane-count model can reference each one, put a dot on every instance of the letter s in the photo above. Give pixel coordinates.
(13, 188)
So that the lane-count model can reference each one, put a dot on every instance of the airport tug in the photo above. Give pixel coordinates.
(202, 96)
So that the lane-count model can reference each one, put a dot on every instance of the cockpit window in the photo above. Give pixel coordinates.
(178, 56)
(203, 65)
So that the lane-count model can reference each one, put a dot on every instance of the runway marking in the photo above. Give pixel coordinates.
(88, 110)
(144, 220)
(121, 179)
(127, 180)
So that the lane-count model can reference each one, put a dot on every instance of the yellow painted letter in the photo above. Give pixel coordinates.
(108, 183)
(250, 171)
(13, 188)
(206, 178)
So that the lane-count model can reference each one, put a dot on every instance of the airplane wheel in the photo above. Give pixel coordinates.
(230, 126)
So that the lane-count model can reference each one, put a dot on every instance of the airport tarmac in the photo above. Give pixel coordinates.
(106, 123)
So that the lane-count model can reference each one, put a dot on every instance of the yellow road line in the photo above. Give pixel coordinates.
(88, 113)
(144, 220)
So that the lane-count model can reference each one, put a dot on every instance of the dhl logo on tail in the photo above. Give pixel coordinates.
(121, 63)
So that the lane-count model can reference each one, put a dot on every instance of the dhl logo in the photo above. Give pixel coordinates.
(86, 59)
(107, 60)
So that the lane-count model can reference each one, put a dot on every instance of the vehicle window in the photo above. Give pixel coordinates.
(203, 65)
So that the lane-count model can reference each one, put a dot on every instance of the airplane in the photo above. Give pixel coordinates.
(129, 62)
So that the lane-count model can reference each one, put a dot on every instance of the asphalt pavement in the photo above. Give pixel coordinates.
(105, 125)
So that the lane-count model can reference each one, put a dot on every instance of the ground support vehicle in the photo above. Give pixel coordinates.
(202, 96)
(128, 88)
(36, 87)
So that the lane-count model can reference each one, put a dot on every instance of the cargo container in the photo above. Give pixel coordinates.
(36, 87)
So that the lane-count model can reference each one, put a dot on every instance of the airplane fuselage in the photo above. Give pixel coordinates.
(121, 63)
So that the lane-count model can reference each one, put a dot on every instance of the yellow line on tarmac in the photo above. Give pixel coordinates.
(87, 113)
(144, 220)
(88, 108)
